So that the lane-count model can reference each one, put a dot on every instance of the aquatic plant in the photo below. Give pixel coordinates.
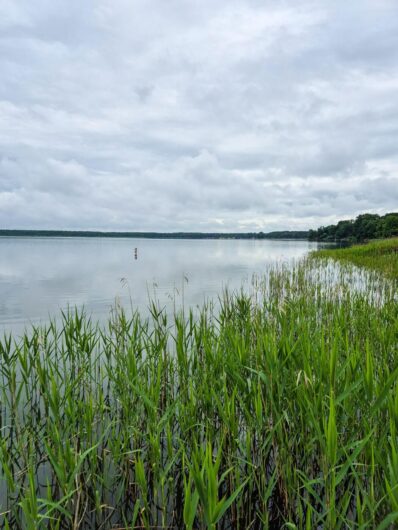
(276, 408)
(381, 255)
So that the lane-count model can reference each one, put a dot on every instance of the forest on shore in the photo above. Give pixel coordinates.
(284, 234)
(364, 227)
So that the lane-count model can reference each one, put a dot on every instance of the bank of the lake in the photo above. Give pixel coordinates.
(278, 410)
(380, 255)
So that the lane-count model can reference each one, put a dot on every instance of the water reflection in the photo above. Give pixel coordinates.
(40, 276)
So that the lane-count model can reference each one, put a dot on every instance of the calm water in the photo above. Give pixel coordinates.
(40, 276)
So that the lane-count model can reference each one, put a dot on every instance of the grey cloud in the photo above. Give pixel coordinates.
(151, 115)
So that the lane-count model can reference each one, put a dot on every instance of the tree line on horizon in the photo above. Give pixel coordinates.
(365, 226)
(282, 234)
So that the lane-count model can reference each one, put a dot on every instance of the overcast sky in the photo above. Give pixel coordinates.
(197, 114)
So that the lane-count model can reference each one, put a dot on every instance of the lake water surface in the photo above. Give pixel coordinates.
(40, 276)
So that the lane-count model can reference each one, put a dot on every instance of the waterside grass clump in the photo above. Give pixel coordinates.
(277, 409)
(381, 255)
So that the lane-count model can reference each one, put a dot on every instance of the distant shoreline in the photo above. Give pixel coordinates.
(293, 235)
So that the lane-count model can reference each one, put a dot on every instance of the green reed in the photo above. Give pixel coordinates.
(276, 408)
(380, 255)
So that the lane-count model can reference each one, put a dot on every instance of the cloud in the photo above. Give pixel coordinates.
(151, 115)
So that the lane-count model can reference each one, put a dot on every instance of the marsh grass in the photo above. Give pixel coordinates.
(381, 255)
(277, 410)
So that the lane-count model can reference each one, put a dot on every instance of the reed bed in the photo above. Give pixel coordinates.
(380, 255)
(275, 408)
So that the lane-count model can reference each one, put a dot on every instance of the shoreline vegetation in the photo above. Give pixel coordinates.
(364, 228)
(286, 234)
(379, 255)
(276, 408)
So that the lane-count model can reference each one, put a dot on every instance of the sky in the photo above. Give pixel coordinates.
(197, 115)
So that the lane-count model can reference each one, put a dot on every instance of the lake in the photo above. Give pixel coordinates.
(41, 276)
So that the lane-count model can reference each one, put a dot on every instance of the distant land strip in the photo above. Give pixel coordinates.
(287, 234)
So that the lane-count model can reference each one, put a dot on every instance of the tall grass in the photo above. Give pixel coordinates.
(381, 255)
(277, 409)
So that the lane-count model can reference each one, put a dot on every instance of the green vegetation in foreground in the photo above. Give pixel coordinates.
(279, 410)
(378, 255)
